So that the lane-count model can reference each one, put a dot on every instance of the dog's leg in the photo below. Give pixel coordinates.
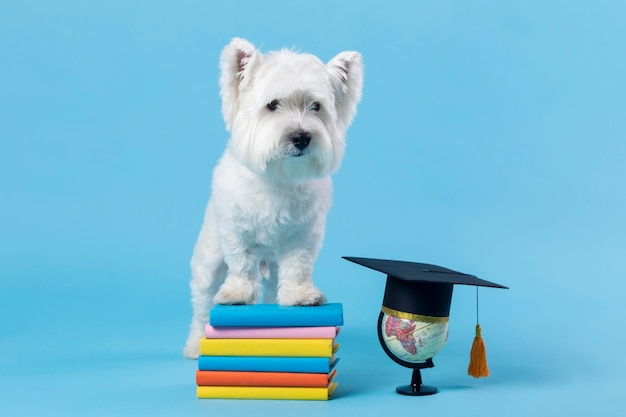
(208, 272)
(242, 284)
(204, 284)
(295, 285)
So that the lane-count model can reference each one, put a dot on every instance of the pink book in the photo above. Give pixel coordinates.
(328, 332)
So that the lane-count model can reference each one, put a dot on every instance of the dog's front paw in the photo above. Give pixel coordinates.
(238, 290)
(300, 295)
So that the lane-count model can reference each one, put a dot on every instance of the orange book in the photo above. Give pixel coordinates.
(263, 379)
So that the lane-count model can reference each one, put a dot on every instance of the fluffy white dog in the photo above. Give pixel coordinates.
(287, 114)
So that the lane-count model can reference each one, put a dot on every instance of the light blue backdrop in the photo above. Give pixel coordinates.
(491, 139)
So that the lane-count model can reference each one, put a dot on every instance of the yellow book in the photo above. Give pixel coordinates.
(267, 393)
(269, 347)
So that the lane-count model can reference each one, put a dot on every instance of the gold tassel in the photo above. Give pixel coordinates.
(478, 357)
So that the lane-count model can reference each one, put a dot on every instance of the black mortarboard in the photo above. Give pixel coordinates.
(419, 289)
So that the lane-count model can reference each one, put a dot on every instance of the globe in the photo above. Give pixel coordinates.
(412, 341)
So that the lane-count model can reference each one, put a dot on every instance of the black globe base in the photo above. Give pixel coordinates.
(416, 391)
(416, 388)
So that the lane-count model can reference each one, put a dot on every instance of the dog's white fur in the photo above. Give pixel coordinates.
(272, 189)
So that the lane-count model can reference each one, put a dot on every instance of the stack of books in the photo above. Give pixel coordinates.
(267, 351)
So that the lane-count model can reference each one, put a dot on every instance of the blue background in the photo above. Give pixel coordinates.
(490, 139)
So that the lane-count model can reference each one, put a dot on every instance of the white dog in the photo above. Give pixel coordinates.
(287, 114)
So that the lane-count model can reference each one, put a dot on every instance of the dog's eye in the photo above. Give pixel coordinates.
(272, 105)
(316, 106)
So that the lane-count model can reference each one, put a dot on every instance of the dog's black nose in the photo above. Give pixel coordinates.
(301, 139)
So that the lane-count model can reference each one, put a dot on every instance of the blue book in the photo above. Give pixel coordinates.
(266, 364)
(274, 315)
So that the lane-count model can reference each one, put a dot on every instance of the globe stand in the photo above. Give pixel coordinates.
(417, 388)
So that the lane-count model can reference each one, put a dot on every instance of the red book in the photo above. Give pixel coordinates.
(263, 379)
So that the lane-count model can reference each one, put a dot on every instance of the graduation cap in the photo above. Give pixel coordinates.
(421, 295)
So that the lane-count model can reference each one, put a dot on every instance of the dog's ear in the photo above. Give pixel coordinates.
(346, 76)
(237, 63)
